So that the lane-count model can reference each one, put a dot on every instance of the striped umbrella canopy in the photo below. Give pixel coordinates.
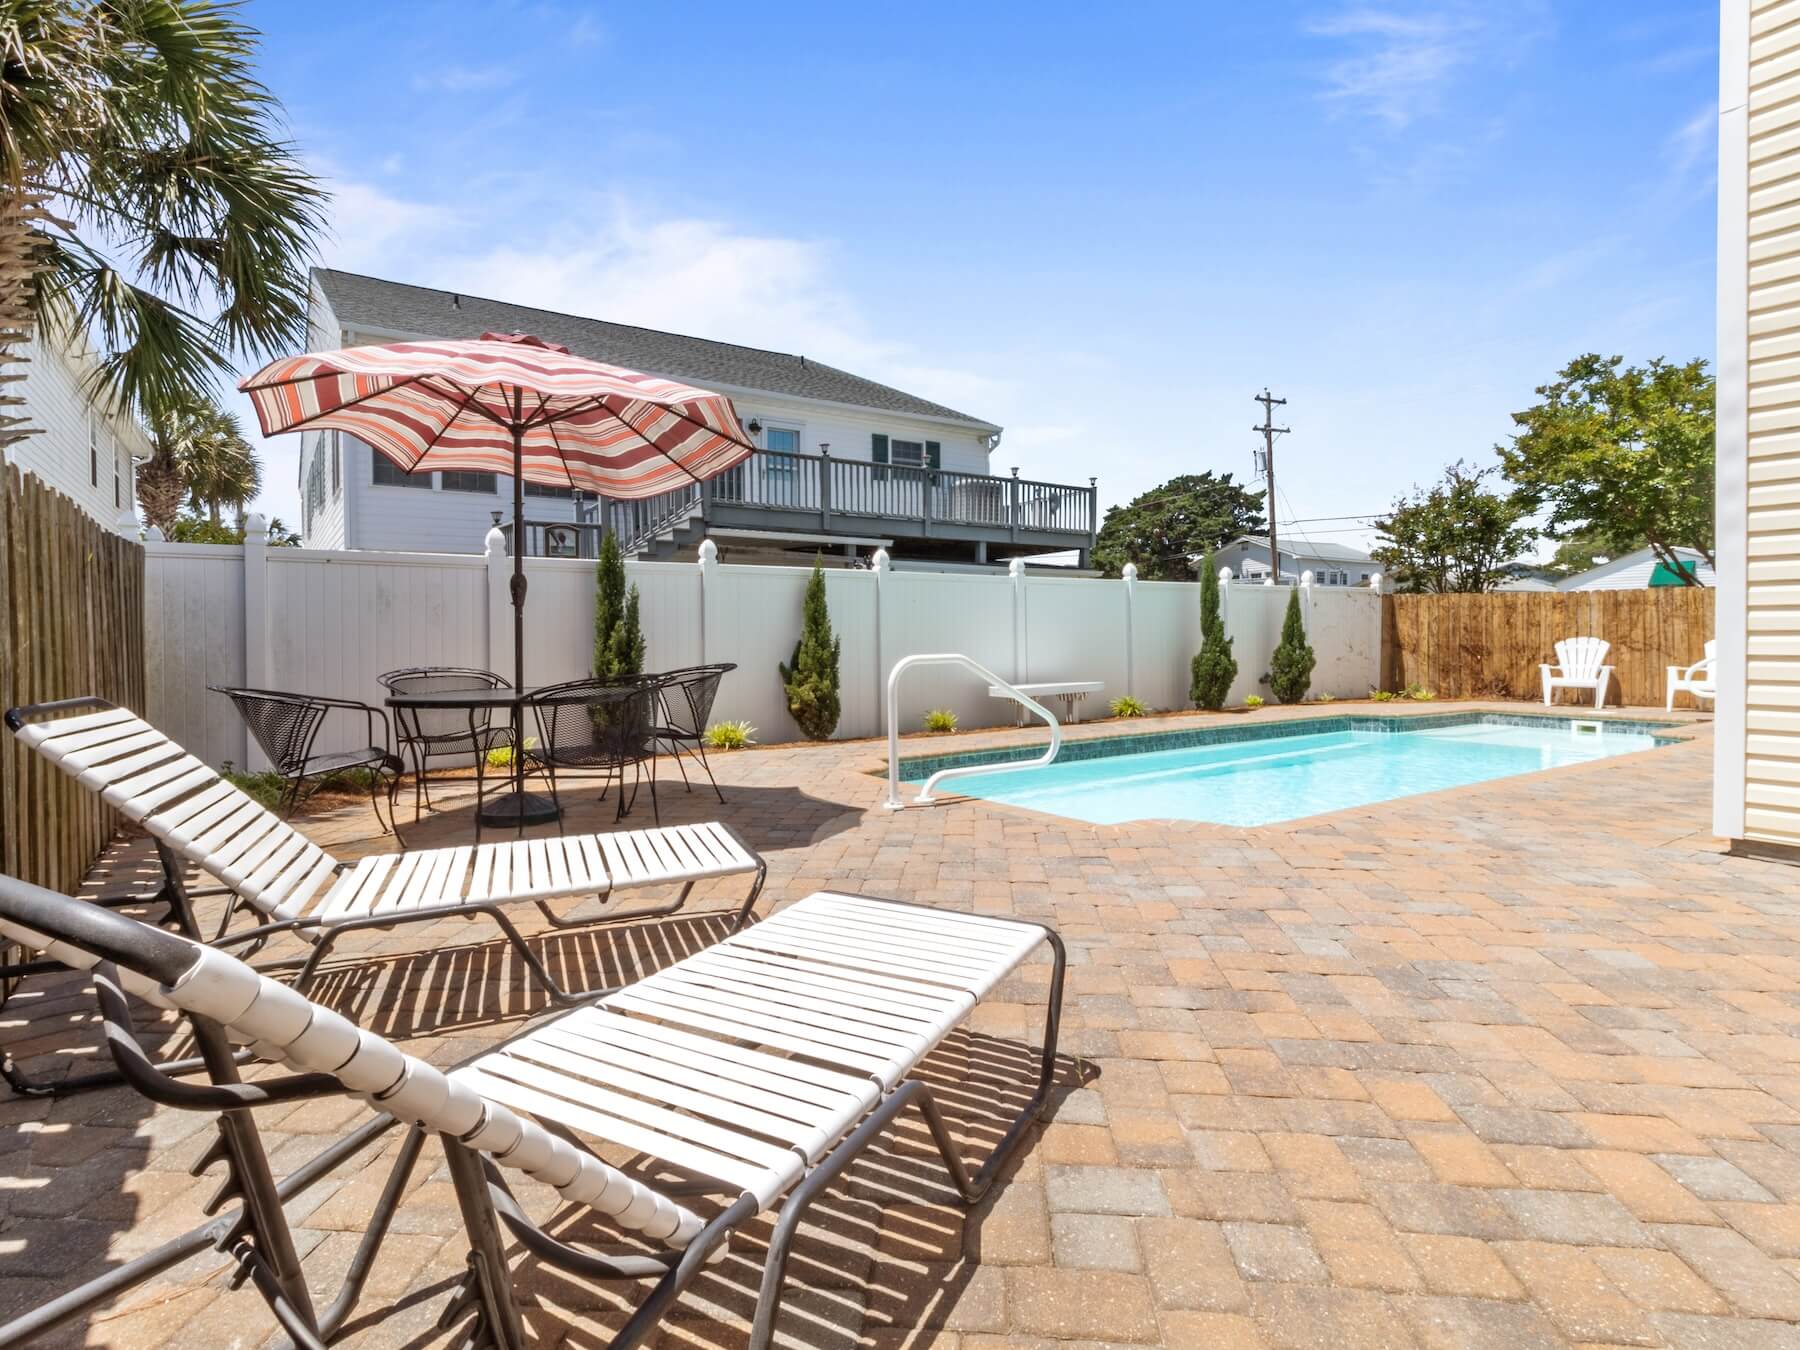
(507, 403)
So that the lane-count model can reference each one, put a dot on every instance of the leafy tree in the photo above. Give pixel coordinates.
(1214, 667)
(811, 678)
(1623, 454)
(176, 223)
(618, 634)
(1161, 530)
(1291, 668)
(192, 529)
(199, 458)
(1454, 536)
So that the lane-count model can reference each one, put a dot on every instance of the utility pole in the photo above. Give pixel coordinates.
(1269, 432)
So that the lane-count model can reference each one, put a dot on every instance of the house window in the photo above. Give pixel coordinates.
(337, 463)
(461, 480)
(908, 454)
(118, 478)
(782, 443)
(93, 453)
(390, 474)
(561, 494)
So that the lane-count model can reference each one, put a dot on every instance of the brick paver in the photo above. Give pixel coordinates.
(1512, 1065)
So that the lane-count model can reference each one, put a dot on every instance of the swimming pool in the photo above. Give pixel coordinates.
(1284, 770)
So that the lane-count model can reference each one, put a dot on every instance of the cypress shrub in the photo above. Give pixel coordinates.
(618, 635)
(1291, 668)
(1214, 667)
(811, 678)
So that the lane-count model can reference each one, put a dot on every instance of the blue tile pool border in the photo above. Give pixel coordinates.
(917, 768)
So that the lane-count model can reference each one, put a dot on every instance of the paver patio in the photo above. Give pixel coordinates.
(1510, 1065)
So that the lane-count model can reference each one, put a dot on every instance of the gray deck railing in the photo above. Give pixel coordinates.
(832, 492)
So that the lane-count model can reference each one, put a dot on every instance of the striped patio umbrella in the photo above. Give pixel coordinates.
(508, 403)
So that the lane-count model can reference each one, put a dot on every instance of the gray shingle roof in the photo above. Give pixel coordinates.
(1325, 552)
(392, 306)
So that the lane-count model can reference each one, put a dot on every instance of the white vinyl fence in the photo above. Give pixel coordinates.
(328, 622)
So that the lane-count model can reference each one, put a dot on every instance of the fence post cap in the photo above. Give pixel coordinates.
(494, 542)
(1224, 575)
(1374, 581)
(1130, 572)
(255, 527)
(1016, 568)
(1306, 577)
(709, 553)
(154, 535)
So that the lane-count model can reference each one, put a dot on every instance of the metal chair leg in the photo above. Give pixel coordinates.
(487, 1289)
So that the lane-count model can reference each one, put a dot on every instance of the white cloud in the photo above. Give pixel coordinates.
(464, 79)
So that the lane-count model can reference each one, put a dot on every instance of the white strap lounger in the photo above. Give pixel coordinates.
(197, 817)
(759, 1069)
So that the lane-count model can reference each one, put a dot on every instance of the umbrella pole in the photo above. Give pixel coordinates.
(518, 576)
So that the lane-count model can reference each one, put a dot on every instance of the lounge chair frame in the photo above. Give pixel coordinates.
(323, 931)
(258, 1237)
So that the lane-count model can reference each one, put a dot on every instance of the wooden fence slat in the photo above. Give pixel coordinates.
(1490, 646)
(71, 623)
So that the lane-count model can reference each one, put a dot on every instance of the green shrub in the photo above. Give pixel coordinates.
(940, 719)
(1291, 668)
(1326, 698)
(1253, 702)
(1417, 693)
(730, 735)
(1383, 695)
(501, 756)
(1127, 706)
(618, 635)
(268, 788)
(1214, 667)
(811, 679)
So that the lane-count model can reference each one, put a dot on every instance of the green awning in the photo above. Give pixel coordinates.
(1664, 575)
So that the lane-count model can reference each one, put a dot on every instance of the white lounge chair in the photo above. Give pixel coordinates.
(1579, 665)
(757, 1070)
(1700, 679)
(196, 817)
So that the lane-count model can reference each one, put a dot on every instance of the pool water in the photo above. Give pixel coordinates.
(1258, 782)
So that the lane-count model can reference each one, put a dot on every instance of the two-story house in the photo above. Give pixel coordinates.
(845, 465)
(78, 445)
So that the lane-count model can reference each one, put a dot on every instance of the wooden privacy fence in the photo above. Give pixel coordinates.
(71, 623)
(1490, 646)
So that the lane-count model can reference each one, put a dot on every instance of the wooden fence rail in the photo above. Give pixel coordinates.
(71, 623)
(1490, 646)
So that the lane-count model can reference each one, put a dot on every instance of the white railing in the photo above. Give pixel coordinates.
(906, 663)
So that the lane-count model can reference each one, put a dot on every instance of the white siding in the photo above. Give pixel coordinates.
(1637, 577)
(80, 449)
(1770, 402)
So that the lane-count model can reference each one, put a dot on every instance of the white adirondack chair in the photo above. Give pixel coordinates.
(1580, 664)
(1700, 679)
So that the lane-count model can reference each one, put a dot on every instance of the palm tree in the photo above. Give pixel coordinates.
(147, 203)
(200, 458)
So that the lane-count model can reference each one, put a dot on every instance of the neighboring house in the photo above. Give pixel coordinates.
(1331, 564)
(77, 446)
(1635, 571)
(1527, 577)
(845, 465)
(1756, 729)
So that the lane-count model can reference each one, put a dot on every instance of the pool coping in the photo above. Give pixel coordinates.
(917, 768)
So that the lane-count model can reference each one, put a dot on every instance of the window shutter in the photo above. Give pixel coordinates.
(878, 451)
(934, 454)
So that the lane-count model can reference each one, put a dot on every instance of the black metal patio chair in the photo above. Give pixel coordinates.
(437, 733)
(286, 725)
(601, 725)
(685, 707)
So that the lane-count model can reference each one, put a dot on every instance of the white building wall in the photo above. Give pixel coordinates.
(81, 450)
(1637, 577)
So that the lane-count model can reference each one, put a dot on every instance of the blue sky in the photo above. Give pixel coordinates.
(1103, 227)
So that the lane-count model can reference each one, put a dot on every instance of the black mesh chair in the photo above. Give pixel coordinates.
(286, 725)
(428, 733)
(601, 725)
(685, 707)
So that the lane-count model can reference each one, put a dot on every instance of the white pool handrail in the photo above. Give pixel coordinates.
(893, 802)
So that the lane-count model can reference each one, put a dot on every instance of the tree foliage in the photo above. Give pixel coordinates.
(1623, 454)
(811, 678)
(1214, 667)
(199, 458)
(618, 634)
(1291, 667)
(1161, 530)
(1578, 551)
(180, 220)
(1456, 535)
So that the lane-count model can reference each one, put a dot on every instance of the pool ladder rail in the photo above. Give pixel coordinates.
(925, 797)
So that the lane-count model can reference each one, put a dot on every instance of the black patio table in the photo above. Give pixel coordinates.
(516, 807)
